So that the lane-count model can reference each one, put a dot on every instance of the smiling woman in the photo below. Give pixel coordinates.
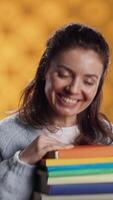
(60, 108)
(71, 83)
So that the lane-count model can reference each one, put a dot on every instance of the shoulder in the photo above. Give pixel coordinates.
(11, 134)
(12, 124)
(14, 135)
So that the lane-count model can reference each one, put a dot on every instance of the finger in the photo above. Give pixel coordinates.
(50, 148)
(50, 140)
(53, 148)
(70, 146)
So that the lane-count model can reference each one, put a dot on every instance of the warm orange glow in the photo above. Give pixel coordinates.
(24, 28)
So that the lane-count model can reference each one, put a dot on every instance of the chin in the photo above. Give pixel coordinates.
(66, 113)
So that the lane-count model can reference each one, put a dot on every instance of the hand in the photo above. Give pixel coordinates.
(40, 147)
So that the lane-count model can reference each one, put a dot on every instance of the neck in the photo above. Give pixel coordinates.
(61, 121)
(65, 122)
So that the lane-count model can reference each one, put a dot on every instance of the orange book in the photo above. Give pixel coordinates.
(86, 151)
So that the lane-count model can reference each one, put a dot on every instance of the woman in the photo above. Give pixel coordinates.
(60, 108)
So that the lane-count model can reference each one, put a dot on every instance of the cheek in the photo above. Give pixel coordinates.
(56, 84)
(90, 94)
(50, 86)
(47, 87)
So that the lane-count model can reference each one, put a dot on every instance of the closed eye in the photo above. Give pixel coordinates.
(63, 74)
(89, 83)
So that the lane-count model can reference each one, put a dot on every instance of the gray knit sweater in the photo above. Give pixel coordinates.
(16, 179)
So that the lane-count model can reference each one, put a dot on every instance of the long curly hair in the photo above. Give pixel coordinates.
(34, 109)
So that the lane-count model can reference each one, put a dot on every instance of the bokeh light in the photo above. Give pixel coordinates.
(25, 26)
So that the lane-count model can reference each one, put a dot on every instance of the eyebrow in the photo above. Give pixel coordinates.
(70, 71)
(91, 75)
(66, 68)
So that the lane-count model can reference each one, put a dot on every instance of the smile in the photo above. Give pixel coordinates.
(68, 101)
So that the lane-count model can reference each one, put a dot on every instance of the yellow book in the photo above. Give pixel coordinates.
(57, 162)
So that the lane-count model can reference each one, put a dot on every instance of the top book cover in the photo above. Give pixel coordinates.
(85, 151)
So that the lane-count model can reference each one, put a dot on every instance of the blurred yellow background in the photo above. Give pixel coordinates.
(25, 26)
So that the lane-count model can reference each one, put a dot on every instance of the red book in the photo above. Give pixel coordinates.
(86, 151)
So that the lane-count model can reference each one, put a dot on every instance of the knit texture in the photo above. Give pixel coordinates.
(16, 178)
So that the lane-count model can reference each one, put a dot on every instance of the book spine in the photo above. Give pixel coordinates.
(52, 162)
(71, 189)
(78, 197)
(99, 178)
(80, 172)
(80, 167)
(88, 152)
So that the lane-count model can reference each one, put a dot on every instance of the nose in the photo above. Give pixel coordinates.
(75, 86)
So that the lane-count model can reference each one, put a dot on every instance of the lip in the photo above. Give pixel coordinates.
(67, 101)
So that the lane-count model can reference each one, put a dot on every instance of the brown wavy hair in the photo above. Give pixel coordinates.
(34, 109)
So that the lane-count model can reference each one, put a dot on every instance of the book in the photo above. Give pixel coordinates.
(80, 167)
(78, 189)
(78, 197)
(99, 178)
(86, 151)
(73, 161)
(80, 172)
(88, 171)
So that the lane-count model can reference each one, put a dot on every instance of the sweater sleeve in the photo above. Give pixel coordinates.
(16, 180)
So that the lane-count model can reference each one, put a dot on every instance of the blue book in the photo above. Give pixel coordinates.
(80, 166)
(71, 189)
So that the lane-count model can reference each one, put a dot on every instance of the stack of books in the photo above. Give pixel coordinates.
(83, 172)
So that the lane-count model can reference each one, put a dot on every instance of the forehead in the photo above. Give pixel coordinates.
(81, 60)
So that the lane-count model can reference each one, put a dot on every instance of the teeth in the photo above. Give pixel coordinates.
(70, 101)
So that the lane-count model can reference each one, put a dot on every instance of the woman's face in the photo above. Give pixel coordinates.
(72, 81)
